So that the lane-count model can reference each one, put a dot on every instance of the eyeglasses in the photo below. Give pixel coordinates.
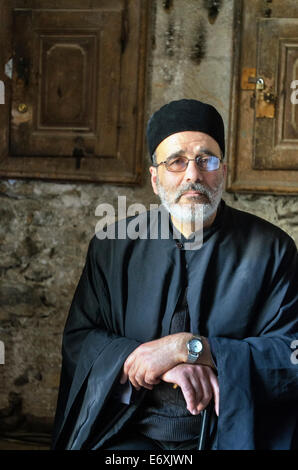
(204, 162)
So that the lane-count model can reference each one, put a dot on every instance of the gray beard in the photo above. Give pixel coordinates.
(193, 212)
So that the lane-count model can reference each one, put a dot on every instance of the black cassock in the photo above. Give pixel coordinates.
(242, 294)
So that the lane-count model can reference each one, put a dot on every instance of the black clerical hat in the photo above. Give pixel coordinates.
(185, 115)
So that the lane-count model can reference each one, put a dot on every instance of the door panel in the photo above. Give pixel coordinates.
(71, 70)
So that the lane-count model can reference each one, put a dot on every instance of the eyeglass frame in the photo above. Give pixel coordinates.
(156, 165)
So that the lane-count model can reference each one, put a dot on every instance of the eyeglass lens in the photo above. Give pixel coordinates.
(206, 163)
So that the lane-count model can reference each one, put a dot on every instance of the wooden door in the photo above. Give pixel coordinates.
(263, 137)
(77, 90)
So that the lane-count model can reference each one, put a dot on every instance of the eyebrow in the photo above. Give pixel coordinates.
(180, 153)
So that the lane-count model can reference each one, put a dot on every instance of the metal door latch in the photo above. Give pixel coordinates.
(265, 100)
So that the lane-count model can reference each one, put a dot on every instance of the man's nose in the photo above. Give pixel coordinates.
(192, 172)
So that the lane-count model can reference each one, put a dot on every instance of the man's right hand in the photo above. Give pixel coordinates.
(198, 384)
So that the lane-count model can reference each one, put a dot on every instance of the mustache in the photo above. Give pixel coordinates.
(192, 187)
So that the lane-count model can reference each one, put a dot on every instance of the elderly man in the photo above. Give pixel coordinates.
(167, 347)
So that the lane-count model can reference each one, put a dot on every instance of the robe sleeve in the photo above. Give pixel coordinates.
(258, 379)
(94, 349)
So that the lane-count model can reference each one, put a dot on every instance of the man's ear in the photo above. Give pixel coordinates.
(153, 171)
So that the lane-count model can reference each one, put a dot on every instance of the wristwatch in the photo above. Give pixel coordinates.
(195, 349)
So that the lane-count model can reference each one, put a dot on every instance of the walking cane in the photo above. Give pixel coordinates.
(205, 426)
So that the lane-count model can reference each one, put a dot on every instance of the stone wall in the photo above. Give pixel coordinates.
(45, 227)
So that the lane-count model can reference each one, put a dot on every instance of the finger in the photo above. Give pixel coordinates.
(146, 379)
(205, 394)
(131, 375)
(134, 383)
(149, 387)
(198, 400)
(123, 378)
(150, 378)
(215, 388)
(142, 383)
(189, 395)
(126, 368)
(137, 374)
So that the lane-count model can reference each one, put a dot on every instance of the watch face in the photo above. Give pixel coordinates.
(195, 346)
